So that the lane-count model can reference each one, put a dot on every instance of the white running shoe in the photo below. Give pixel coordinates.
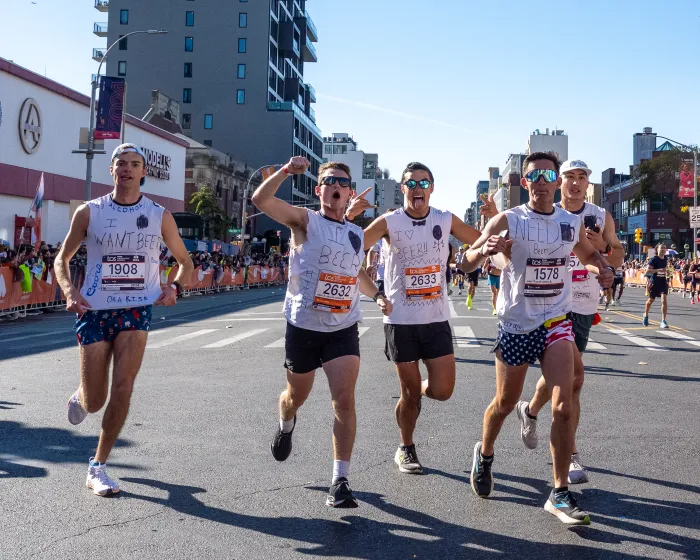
(577, 472)
(528, 426)
(76, 412)
(98, 480)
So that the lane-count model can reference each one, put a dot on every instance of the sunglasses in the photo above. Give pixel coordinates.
(423, 184)
(549, 175)
(342, 181)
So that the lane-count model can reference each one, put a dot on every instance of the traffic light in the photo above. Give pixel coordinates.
(638, 235)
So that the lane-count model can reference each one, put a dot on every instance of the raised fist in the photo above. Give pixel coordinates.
(297, 165)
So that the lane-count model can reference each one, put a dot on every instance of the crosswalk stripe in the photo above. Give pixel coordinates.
(362, 330)
(180, 338)
(276, 344)
(679, 336)
(234, 339)
(453, 311)
(593, 345)
(464, 337)
(638, 340)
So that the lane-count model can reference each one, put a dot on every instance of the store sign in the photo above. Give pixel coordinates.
(157, 165)
(30, 130)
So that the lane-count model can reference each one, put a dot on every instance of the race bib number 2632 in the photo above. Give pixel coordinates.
(334, 292)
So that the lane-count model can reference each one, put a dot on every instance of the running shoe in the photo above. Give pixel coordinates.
(494, 312)
(76, 412)
(528, 426)
(98, 480)
(645, 320)
(460, 292)
(664, 324)
(564, 506)
(606, 307)
(577, 472)
(614, 303)
(281, 445)
(683, 295)
(481, 478)
(692, 301)
(340, 495)
(407, 460)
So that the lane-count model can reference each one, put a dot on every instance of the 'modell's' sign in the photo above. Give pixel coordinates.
(157, 165)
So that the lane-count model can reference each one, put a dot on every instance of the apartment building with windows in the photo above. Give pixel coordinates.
(237, 67)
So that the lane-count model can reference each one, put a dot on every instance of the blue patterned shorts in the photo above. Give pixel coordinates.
(104, 325)
(527, 348)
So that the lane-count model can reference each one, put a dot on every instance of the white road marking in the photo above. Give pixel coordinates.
(32, 336)
(180, 338)
(464, 337)
(593, 345)
(234, 339)
(638, 340)
(362, 330)
(276, 344)
(234, 318)
(679, 336)
(453, 311)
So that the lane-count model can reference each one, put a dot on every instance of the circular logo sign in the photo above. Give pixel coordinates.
(30, 126)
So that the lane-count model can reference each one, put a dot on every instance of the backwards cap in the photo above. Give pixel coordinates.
(126, 148)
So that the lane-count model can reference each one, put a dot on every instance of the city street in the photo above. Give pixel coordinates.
(198, 479)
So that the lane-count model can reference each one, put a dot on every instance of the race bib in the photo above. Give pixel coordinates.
(123, 272)
(578, 274)
(423, 283)
(545, 277)
(334, 292)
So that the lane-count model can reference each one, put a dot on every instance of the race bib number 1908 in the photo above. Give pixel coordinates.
(123, 272)
(423, 283)
(334, 292)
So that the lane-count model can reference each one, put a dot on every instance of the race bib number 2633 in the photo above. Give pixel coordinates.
(423, 283)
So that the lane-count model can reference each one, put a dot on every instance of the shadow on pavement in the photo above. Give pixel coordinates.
(353, 536)
(49, 445)
(227, 303)
(610, 372)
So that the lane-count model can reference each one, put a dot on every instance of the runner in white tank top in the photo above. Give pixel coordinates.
(531, 244)
(600, 231)
(322, 309)
(124, 232)
(415, 282)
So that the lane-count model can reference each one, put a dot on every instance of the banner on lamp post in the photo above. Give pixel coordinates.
(686, 188)
(110, 108)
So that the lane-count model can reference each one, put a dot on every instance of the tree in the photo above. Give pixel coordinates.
(659, 176)
(205, 204)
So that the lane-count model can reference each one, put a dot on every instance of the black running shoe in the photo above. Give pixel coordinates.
(340, 495)
(564, 506)
(481, 478)
(281, 445)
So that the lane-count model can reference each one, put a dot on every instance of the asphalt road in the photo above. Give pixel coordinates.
(198, 479)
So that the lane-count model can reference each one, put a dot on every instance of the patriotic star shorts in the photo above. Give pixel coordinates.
(527, 348)
(104, 325)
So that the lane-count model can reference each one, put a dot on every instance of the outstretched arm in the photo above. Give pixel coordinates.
(279, 210)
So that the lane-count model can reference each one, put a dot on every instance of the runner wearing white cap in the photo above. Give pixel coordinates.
(124, 232)
(600, 231)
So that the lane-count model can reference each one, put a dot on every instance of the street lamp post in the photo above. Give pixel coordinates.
(90, 152)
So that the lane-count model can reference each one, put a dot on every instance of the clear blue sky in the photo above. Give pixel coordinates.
(456, 84)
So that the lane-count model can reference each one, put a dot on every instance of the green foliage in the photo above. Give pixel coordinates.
(205, 204)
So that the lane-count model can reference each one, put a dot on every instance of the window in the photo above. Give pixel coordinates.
(189, 44)
(189, 19)
(240, 97)
(242, 45)
(208, 121)
(241, 71)
(615, 209)
(124, 17)
(207, 143)
(625, 207)
(327, 149)
(242, 19)
(188, 69)
(186, 120)
(121, 68)
(187, 95)
(659, 202)
(643, 206)
(123, 42)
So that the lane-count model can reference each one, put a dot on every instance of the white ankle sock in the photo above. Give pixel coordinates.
(341, 469)
(286, 425)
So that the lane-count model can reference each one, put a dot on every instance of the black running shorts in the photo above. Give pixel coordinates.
(657, 287)
(473, 277)
(307, 350)
(582, 328)
(618, 280)
(410, 343)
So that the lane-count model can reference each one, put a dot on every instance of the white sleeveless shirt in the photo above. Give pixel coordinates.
(323, 293)
(536, 283)
(123, 253)
(585, 287)
(416, 263)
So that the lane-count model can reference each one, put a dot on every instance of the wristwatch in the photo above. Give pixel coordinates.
(177, 287)
(379, 293)
(608, 250)
(611, 268)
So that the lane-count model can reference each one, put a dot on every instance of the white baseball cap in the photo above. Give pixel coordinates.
(571, 164)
